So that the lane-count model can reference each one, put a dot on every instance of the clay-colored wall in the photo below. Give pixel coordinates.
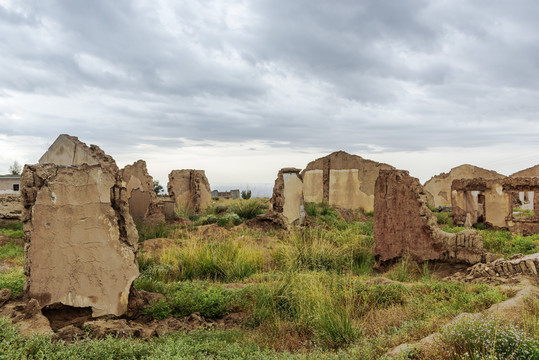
(293, 198)
(189, 189)
(439, 186)
(140, 194)
(64, 151)
(344, 190)
(313, 182)
(497, 204)
(354, 174)
(529, 172)
(10, 206)
(78, 252)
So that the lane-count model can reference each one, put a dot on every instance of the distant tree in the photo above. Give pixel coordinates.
(246, 194)
(158, 188)
(15, 169)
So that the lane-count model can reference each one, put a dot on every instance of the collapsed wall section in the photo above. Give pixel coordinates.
(438, 187)
(189, 189)
(404, 225)
(287, 198)
(143, 204)
(342, 180)
(80, 240)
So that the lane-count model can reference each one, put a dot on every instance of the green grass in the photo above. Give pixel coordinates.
(12, 229)
(212, 301)
(153, 231)
(12, 251)
(233, 212)
(506, 243)
(13, 279)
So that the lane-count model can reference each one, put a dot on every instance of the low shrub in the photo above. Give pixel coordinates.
(487, 338)
(185, 298)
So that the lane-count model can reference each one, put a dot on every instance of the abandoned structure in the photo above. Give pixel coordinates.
(529, 172)
(81, 241)
(404, 225)
(342, 180)
(438, 188)
(10, 184)
(287, 199)
(68, 150)
(10, 206)
(143, 204)
(505, 203)
(232, 194)
(189, 189)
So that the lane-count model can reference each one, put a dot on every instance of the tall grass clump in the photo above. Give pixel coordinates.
(322, 250)
(506, 243)
(312, 303)
(248, 209)
(227, 259)
(13, 279)
(153, 231)
(13, 252)
(487, 338)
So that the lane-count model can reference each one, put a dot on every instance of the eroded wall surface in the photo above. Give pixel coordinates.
(189, 189)
(313, 186)
(68, 150)
(140, 193)
(80, 240)
(342, 180)
(439, 186)
(529, 172)
(404, 225)
(287, 198)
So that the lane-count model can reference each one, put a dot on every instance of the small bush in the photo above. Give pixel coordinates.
(185, 298)
(311, 209)
(475, 338)
(444, 218)
(248, 209)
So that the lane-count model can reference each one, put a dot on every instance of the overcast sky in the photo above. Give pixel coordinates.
(244, 88)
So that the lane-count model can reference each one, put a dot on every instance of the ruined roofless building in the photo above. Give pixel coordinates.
(438, 187)
(342, 180)
(189, 189)
(80, 239)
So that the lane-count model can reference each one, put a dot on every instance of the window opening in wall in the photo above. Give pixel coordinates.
(522, 205)
(15, 187)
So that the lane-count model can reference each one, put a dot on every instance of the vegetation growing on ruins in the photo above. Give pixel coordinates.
(307, 294)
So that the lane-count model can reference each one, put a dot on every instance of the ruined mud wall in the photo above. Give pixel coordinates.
(80, 240)
(438, 188)
(189, 189)
(69, 150)
(525, 226)
(342, 180)
(141, 196)
(465, 202)
(529, 172)
(287, 198)
(404, 225)
(10, 206)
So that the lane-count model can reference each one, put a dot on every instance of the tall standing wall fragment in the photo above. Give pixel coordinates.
(404, 225)
(81, 241)
(287, 198)
(189, 189)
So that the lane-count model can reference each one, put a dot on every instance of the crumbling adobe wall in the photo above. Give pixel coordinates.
(10, 206)
(438, 188)
(189, 189)
(403, 224)
(522, 225)
(464, 203)
(140, 193)
(80, 240)
(529, 172)
(342, 180)
(68, 150)
(287, 198)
